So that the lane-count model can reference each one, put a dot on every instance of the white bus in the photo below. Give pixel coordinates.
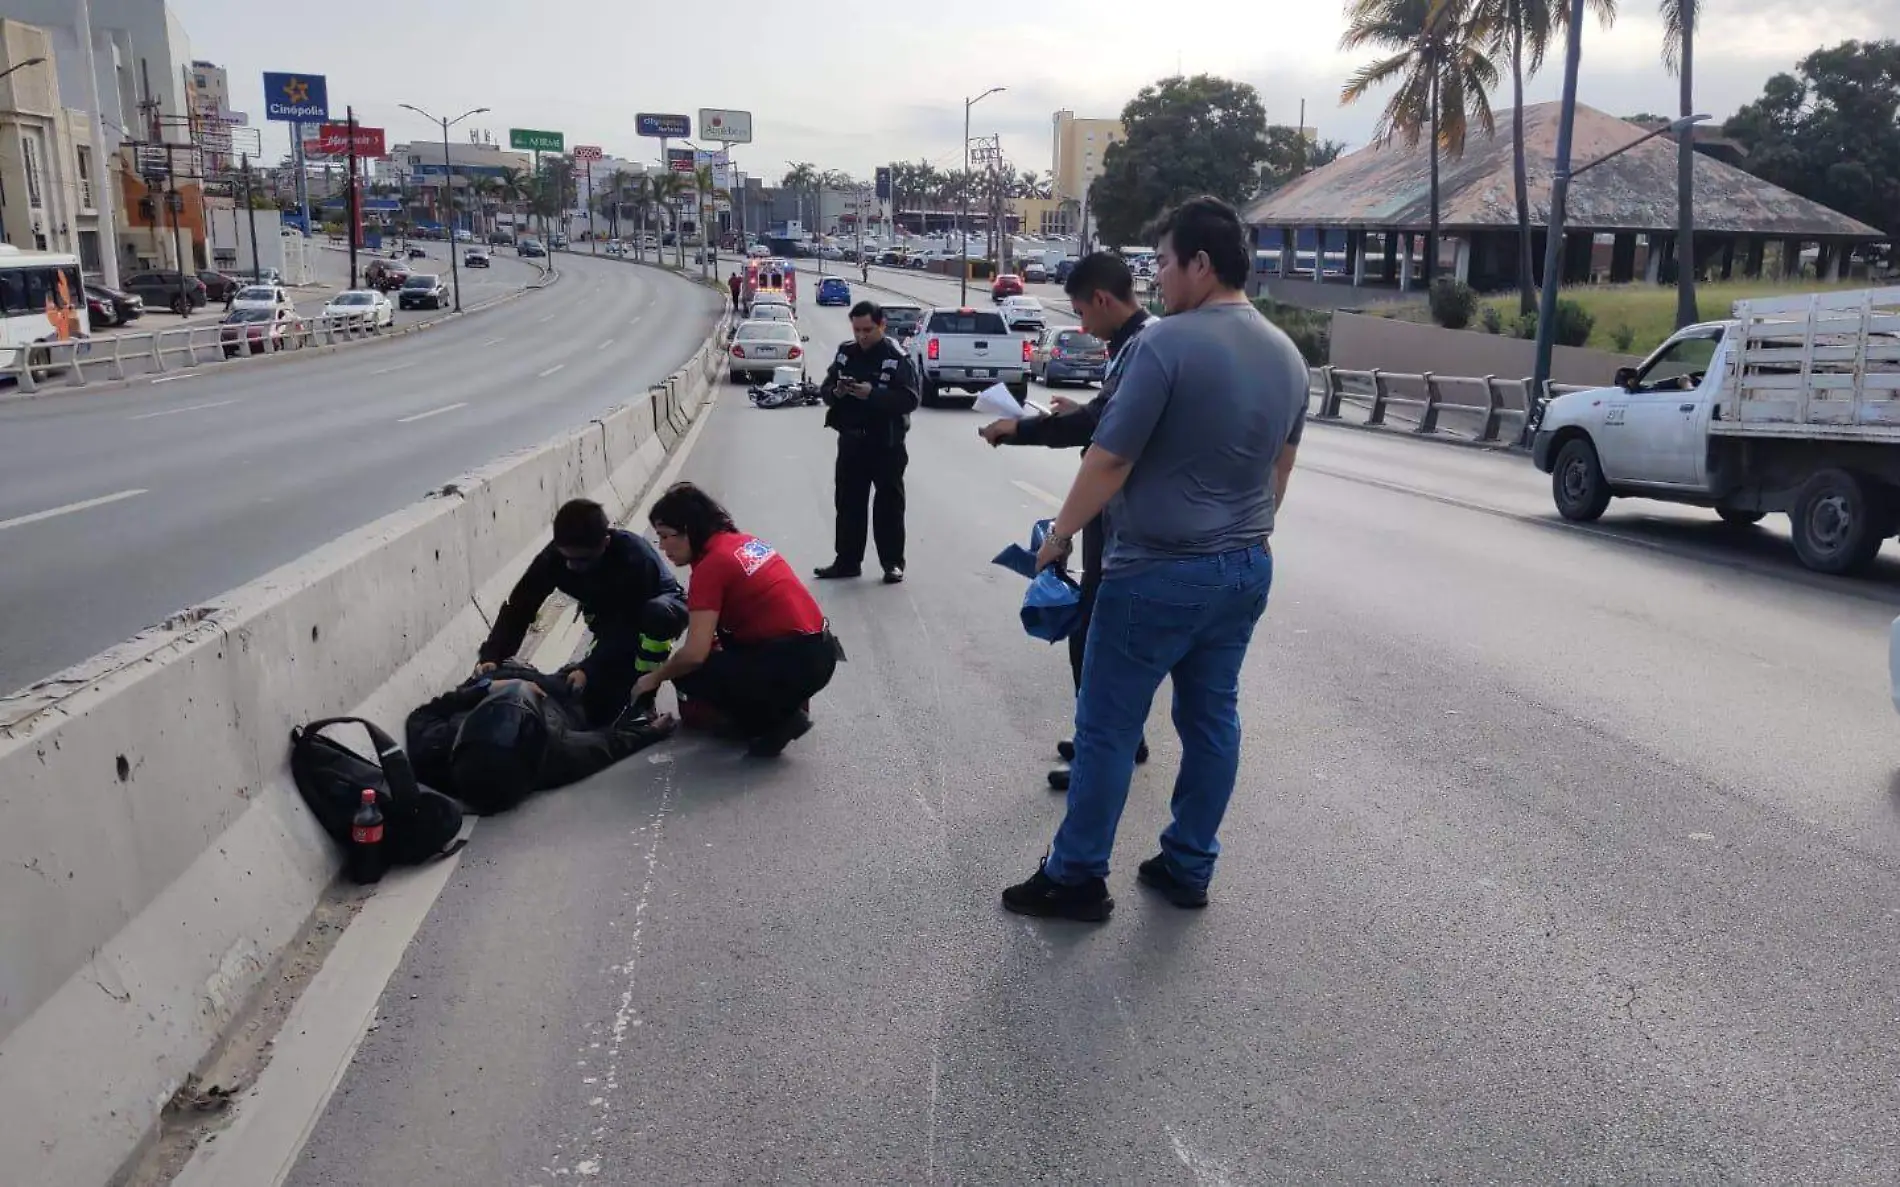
(42, 299)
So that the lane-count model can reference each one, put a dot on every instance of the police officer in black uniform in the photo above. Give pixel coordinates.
(871, 389)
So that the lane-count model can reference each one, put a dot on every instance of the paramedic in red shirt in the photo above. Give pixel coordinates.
(757, 645)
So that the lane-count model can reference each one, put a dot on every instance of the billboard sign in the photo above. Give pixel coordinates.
(334, 139)
(731, 127)
(662, 125)
(679, 160)
(296, 98)
(533, 140)
(587, 152)
(884, 183)
(721, 168)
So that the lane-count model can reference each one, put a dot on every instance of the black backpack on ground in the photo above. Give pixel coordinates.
(418, 824)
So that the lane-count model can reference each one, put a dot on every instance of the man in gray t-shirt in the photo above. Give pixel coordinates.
(1191, 461)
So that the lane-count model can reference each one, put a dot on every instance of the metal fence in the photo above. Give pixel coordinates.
(1470, 407)
(80, 361)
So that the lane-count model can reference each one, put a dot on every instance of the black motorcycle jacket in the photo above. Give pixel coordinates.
(883, 417)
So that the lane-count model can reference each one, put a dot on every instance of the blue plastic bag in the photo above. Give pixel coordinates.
(1052, 608)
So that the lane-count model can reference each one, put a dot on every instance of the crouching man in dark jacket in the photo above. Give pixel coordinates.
(632, 602)
(499, 737)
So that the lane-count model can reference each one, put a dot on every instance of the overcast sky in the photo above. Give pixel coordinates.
(848, 93)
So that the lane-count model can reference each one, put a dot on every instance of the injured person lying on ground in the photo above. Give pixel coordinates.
(516, 730)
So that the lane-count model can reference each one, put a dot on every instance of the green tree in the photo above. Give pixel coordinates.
(803, 179)
(1524, 30)
(1290, 154)
(514, 188)
(1436, 55)
(668, 189)
(643, 197)
(705, 185)
(1185, 136)
(1831, 131)
(1679, 22)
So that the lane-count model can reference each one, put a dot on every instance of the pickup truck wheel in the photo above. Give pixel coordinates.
(1739, 517)
(1577, 484)
(1839, 522)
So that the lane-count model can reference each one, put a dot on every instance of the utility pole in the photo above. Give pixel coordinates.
(355, 205)
(105, 164)
(250, 209)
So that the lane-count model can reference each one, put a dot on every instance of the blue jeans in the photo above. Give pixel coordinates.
(1190, 619)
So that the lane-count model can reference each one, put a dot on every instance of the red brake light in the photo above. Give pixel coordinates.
(797, 353)
(931, 350)
(1025, 350)
(738, 352)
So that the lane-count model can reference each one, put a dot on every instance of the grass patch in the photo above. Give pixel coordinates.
(1630, 318)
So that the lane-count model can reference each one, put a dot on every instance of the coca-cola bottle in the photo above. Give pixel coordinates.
(368, 859)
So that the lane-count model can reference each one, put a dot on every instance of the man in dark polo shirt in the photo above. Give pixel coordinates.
(1102, 291)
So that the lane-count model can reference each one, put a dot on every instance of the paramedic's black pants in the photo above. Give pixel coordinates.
(628, 649)
(862, 467)
(758, 685)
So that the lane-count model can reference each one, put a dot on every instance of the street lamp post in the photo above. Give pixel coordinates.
(448, 188)
(962, 230)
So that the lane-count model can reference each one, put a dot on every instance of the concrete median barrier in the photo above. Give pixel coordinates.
(155, 858)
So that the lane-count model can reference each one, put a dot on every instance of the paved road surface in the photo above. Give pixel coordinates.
(1558, 855)
(221, 475)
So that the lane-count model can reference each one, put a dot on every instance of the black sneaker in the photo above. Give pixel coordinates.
(1047, 898)
(894, 575)
(773, 742)
(837, 572)
(1059, 779)
(1158, 876)
(1065, 750)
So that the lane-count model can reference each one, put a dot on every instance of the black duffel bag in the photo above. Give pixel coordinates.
(418, 824)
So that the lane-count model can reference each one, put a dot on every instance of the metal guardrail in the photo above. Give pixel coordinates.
(82, 360)
(1379, 391)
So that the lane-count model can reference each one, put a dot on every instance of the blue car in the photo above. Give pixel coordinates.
(833, 291)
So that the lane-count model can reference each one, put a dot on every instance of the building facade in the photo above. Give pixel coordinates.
(1079, 146)
(49, 169)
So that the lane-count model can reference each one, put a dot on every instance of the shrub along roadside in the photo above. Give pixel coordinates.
(1310, 329)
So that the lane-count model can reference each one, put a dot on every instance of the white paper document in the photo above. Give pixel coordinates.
(996, 400)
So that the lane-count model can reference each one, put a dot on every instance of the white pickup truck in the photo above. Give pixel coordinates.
(969, 350)
(1792, 405)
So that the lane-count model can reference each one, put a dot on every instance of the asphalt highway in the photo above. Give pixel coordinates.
(119, 507)
(1558, 855)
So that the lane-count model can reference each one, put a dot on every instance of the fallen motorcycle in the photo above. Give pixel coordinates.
(802, 394)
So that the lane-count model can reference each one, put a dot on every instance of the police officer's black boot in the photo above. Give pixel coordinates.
(1059, 777)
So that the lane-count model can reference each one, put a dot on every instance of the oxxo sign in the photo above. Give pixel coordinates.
(587, 152)
(531, 140)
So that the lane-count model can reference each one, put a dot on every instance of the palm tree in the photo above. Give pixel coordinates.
(483, 191)
(1437, 57)
(617, 183)
(512, 187)
(803, 179)
(668, 188)
(1034, 185)
(1679, 22)
(642, 195)
(709, 194)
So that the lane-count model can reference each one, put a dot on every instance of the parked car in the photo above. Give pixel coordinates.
(834, 290)
(1068, 356)
(261, 296)
(500, 239)
(423, 290)
(1006, 285)
(368, 304)
(559, 242)
(1063, 270)
(474, 257)
(218, 285)
(120, 306)
(255, 329)
(763, 346)
(616, 248)
(1034, 272)
(164, 288)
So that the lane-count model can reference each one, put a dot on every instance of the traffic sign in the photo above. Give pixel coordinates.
(296, 98)
(663, 126)
(335, 140)
(587, 152)
(732, 127)
(883, 183)
(531, 140)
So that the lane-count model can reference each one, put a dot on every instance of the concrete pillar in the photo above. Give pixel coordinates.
(1790, 258)
(1391, 273)
(1623, 259)
(1254, 283)
(1405, 263)
(1728, 259)
(1834, 252)
(1286, 253)
(1319, 255)
(1461, 262)
(1652, 270)
(1756, 257)
(1356, 249)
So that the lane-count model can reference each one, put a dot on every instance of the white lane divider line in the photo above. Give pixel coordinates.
(550, 370)
(68, 509)
(1037, 492)
(494, 341)
(397, 367)
(186, 408)
(432, 412)
(539, 320)
(604, 345)
(172, 379)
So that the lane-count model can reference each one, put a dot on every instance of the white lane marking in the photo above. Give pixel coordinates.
(1038, 492)
(432, 412)
(539, 320)
(494, 341)
(605, 345)
(550, 370)
(172, 379)
(68, 509)
(397, 367)
(186, 408)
